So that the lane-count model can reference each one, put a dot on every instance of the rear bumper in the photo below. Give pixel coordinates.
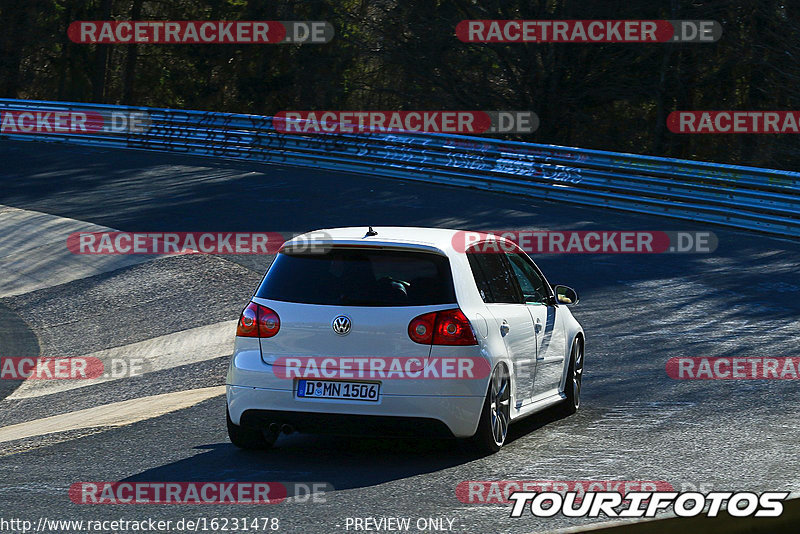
(348, 424)
(253, 385)
(393, 415)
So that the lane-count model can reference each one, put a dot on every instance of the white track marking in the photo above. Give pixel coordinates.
(156, 354)
(34, 254)
(111, 415)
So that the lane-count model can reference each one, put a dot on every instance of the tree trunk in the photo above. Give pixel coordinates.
(101, 59)
(130, 61)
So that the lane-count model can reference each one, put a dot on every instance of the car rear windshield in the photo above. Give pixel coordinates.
(360, 277)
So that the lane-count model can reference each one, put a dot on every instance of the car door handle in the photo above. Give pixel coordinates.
(537, 326)
(505, 327)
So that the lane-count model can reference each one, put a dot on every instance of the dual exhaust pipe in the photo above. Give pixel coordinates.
(275, 429)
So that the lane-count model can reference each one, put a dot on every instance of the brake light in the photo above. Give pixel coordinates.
(446, 327)
(258, 321)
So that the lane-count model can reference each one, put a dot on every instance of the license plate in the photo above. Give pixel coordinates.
(331, 389)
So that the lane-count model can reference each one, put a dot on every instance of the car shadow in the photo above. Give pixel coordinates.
(533, 422)
(340, 462)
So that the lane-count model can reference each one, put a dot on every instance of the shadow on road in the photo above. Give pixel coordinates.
(16, 339)
(343, 462)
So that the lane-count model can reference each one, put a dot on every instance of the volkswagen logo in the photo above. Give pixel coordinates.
(341, 325)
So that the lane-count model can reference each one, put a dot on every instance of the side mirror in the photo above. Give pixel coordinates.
(565, 295)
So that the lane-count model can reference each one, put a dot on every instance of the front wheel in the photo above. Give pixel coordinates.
(496, 414)
(572, 386)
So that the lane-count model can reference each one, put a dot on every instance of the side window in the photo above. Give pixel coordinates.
(495, 281)
(480, 279)
(532, 284)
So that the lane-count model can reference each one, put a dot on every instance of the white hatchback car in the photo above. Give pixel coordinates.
(400, 330)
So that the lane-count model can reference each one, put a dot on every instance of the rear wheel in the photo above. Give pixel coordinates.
(572, 387)
(496, 414)
(248, 438)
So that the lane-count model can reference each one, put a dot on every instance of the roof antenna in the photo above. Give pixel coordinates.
(371, 232)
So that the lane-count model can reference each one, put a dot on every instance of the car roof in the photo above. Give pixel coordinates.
(435, 239)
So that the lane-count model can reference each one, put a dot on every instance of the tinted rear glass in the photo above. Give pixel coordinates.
(360, 277)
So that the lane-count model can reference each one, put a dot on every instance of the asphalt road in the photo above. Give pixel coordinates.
(635, 424)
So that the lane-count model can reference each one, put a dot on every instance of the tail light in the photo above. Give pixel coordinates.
(258, 321)
(446, 327)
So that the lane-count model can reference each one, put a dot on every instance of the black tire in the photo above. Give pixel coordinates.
(248, 438)
(496, 414)
(574, 382)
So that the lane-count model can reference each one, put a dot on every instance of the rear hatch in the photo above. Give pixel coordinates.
(375, 291)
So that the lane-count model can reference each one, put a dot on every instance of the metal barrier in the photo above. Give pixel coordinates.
(765, 200)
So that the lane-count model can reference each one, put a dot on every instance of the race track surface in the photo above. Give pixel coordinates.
(638, 310)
